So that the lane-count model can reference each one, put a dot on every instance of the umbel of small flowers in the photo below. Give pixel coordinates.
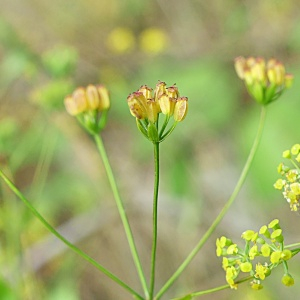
(266, 244)
(90, 106)
(265, 81)
(146, 105)
(289, 184)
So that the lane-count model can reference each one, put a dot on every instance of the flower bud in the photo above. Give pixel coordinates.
(240, 64)
(104, 98)
(286, 154)
(136, 105)
(71, 107)
(295, 149)
(286, 254)
(265, 250)
(288, 80)
(275, 257)
(277, 235)
(79, 97)
(160, 89)
(256, 285)
(92, 97)
(146, 91)
(181, 108)
(173, 92)
(274, 224)
(279, 184)
(153, 110)
(287, 280)
(246, 267)
(167, 104)
(249, 235)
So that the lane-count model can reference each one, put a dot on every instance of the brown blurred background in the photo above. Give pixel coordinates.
(50, 47)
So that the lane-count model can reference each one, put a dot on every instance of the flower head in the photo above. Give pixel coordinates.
(146, 105)
(290, 183)
(90, 106)
(265, 80)
(264, 250)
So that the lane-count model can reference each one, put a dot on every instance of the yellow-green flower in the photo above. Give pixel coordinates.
(256, 285)
(231, 274)
(265, 250)
(250, 235)
(279, 184)
(287, 280)
(253, 252)
(220, 244)
(225, 263)
(275, 257)
(246, 267)
(261, 271)
(232, 249)
(292, 175)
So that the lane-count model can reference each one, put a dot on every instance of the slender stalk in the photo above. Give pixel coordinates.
(64, 240)
(167, 118)
(155, 201)
(122, 213)
(292, 245)
(213, 290)
(224, 209)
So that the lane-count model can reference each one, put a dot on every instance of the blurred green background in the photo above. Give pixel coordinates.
(50, 47)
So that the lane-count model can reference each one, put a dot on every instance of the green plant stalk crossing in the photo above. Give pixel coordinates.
(64, 240)
(155, 202)
(224, 209)
(122, 213)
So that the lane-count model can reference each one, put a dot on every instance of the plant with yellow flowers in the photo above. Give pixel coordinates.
(157, 113)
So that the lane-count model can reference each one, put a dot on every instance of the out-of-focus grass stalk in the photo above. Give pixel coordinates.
(64, 240)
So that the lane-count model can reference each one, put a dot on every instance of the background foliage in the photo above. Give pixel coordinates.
(48, 48)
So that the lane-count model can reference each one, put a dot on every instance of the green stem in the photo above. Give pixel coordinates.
(213, 290)
(167, 118)
(168, 132)
(122, 213)
(155, 201)
(64, 240)
(223, 211)
(292, 245)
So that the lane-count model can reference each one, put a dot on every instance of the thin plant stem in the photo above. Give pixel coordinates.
(64, 240)
(122, 213)
(224, 209)
(292, 245)
(155, 202)
(213, 290)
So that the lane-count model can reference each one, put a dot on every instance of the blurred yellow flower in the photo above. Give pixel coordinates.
(153, 40)
(120, 40)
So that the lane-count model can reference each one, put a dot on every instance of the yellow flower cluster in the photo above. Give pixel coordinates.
(90, 106)
(290, 183)
(91, 98)
(146, 105)
(265, 81)
(236, 259)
